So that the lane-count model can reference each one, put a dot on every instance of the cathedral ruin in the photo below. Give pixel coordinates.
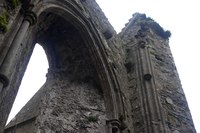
(98, 81)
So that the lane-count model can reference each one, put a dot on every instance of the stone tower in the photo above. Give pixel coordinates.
(98, 81)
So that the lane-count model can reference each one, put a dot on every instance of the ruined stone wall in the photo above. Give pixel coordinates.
(113, 46)
(13, 22)
(8, 95)
(8, 16)
(72, 99)
(174, 105)
(25, 127)
(145, 88)
(98, 17)
(28, 113)
(141, 34)
(129, 43)
(71, 107)
(63, 106)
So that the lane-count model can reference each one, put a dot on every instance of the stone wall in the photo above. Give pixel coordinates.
(130, 46)
(140, 34)
(7, 29)
(71, 107)
(7, 96)
(98, 17)
(172, 97)
(25, 127)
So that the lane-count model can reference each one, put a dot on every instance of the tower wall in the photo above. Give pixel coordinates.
(156, 94)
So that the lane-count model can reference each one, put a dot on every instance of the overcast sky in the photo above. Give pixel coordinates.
(180, 17)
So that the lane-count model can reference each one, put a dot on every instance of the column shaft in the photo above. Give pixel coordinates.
(149, 94)
(1, 87)
(10, 61)
(11, 58)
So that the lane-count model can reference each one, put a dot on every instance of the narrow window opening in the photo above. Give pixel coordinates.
(114, 130)
(34, 78)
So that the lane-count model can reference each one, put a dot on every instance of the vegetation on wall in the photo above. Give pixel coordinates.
(4, 16)
(13, 3)
(149, 22)
(92, 118)
(4, 22)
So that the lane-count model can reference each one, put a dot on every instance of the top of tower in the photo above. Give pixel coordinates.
(142, 20)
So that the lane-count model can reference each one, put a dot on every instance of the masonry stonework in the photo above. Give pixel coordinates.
(98, 81)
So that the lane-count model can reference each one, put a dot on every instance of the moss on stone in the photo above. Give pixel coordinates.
(13, 3)
(92, 119)
(4, 22)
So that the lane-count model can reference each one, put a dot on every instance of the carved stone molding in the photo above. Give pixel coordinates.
(113, 125)
(153, 121)
(4, 80)
(31, 17)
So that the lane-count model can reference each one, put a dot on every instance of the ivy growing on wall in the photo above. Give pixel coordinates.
(4, 22)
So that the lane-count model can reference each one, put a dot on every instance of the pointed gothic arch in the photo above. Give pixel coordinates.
(36, 71)
(92, 40)
(137, 87)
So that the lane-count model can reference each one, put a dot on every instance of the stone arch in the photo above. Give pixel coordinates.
(93, 41)
(94, 44)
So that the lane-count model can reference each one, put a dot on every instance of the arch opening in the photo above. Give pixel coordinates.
(34, 77)
(72, 78)
(71, 100)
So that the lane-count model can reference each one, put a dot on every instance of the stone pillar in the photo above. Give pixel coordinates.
(152, 111)
(1, 86)
(6, 69)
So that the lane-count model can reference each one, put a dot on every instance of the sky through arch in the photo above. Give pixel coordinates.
(34, 78)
